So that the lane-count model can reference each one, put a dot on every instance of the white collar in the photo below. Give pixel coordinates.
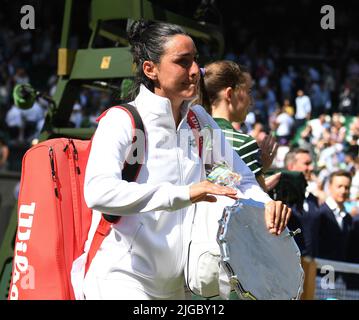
(148, 102)
(335, 208)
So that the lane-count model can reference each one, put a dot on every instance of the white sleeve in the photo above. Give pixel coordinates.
(104, 188)
(222, 150)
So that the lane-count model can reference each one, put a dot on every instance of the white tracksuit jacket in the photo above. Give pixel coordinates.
(148, 247)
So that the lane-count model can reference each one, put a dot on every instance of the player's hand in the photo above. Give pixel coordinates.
(205, 191)
(276, 216)
(269, 149)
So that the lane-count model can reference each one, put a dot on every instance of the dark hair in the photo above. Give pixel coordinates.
(220, 75)
(340, 173)
(147, 40)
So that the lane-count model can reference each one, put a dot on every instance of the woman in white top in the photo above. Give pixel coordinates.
(144, 255)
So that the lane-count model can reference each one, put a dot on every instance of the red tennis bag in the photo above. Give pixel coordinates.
(53, 219)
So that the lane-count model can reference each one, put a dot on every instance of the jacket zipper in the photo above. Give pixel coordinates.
(180, 219)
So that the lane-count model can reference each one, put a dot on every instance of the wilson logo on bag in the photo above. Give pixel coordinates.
(21, 262)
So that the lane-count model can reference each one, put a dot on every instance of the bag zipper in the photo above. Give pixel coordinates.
(72, 155)
(60, 253)
(53, 172)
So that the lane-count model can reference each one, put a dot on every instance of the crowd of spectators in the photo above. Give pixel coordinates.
(308, 103)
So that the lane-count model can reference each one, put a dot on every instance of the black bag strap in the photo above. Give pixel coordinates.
(131, 170)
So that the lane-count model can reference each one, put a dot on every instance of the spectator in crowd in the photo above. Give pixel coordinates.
(15, 124)
(346, 101)
(352, 140)
(305, 138)
(354, 127)
(76, 117)
(318, 126)
(21, 76)
(335, 224)
(303, 108)
(288, 108)
(304, 217)
(317, 99)
(33, 119)
(286, 85)
(332, 156)
(284, 125)
(337, 128)
(270, 100)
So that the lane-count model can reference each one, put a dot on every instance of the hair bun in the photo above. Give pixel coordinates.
(135, 34)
